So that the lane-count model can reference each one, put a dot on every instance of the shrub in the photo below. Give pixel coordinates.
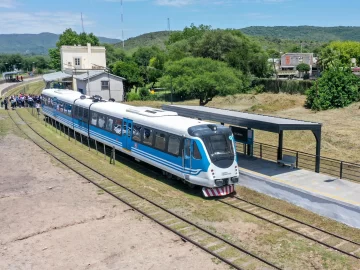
(286, 86)
(337, 88)
(132, 96)
(144, 93)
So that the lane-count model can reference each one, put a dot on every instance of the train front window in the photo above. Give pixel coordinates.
(219, 146)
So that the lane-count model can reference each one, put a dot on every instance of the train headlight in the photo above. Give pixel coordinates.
(219, 182)
(235, 179)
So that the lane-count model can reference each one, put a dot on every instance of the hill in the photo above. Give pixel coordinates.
(306, 33)
(34, 43)
(290, 37)
(145, 40)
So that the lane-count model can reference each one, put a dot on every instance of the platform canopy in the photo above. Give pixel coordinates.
(56, 76)
(252, 121)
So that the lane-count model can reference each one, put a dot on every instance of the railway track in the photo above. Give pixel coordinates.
(318, 235)
(313, 233)
(226, 251)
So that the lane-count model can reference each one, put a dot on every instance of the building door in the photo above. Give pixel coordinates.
(128, 126)
(187, 156)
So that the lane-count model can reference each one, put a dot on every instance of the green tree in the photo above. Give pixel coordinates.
(203, 79)
(130, 71)
(55, 59)
(114, 54)
(338, 87)
(303, 67)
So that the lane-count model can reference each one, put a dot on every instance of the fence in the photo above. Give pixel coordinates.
(333, 167)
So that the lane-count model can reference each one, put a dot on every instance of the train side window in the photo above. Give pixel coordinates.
(69, 107)
(160, 141)
(109, 123)
(80, 113)
(86, 115)
(137, 133)
(174, 145)
(75, 111)
(101, 121)
(196, 152)
(118, 126)
(94, 117)
(148, 136)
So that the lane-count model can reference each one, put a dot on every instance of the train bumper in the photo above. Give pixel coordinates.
(219, 191)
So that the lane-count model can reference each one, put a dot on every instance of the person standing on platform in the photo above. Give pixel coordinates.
(37, 105)
(6, 103)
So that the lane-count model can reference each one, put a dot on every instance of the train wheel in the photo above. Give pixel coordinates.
(190, 185)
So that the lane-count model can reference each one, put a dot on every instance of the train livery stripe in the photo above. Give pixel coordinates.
(165, 162)
(160, 159)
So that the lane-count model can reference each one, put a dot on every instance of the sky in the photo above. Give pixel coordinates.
(103, 17)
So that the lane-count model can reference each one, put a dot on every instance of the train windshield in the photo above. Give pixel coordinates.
(219, 146)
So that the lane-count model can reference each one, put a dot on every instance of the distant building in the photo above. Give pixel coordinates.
(289, 62)
(98, 82)
(82, 57)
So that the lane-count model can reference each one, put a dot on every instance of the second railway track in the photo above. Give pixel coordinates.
(318, 235)
(226, 251)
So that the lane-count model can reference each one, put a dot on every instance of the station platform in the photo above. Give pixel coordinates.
(325, 195)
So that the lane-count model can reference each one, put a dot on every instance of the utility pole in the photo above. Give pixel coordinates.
(122, 24)
(82, 23)
(168, 25)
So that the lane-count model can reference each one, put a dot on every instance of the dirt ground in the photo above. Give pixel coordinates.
(53, 219)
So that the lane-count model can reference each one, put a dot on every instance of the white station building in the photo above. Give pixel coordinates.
(83, 69)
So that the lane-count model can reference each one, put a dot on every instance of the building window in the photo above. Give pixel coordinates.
(104, 85)
(77, 62)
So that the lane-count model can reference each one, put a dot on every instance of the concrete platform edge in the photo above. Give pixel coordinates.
(325, 206)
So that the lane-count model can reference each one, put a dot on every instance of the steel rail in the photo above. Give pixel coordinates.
(292, 230)
(145, 199)
(282, 226)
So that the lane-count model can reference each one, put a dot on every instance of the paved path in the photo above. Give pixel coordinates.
(326, 195)
(5, 85)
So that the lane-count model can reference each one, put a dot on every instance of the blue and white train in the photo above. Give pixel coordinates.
(197, 152)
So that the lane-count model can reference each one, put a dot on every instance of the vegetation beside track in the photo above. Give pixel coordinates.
(33, 88)
(279, 246)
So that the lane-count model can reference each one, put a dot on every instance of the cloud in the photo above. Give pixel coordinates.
(54, 22)
(181, 3)
(175, 3)
(8, 3)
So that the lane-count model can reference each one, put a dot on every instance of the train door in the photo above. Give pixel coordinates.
(127, 132)
(187, 154)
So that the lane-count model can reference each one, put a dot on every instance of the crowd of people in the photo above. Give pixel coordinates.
(21, 101)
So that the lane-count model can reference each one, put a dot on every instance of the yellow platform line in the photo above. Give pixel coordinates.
(301, 187)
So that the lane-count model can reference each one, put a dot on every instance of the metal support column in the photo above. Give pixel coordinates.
(280, 145)
(317, 134)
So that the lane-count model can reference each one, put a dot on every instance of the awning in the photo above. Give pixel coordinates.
(56, 76)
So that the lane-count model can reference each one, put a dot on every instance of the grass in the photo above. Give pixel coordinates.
(30, 88)
(207, 213)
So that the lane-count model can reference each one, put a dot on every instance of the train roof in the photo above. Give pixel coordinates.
(147, 116)
(63, 94)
